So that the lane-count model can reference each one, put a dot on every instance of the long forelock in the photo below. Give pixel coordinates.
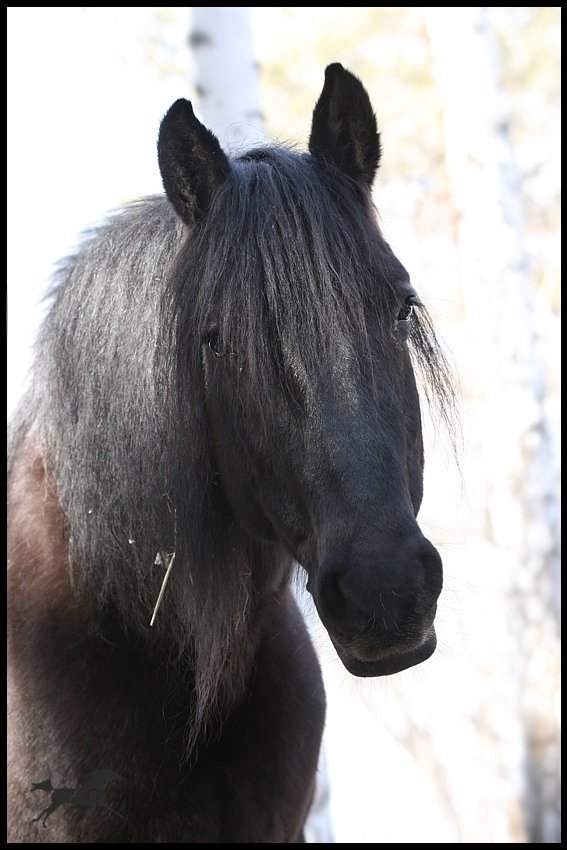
(284, 258)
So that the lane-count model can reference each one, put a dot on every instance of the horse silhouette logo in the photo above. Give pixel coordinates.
(90, 793)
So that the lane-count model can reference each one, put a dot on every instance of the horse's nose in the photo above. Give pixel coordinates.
(388, 591)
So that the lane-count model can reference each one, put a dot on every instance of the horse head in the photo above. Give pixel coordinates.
(306, 323)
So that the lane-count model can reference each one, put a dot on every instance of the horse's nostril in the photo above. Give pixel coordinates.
(341, 599)
(432, 571)
(393, 595)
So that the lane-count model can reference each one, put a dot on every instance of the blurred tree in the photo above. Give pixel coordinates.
(226, 75)
(522, 503)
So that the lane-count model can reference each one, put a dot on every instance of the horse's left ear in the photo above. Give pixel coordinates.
(344, 128)
(191, 161)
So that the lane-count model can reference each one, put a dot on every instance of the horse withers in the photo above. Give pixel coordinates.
(223, 387)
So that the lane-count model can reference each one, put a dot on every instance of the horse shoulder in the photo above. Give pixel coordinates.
(38, 590)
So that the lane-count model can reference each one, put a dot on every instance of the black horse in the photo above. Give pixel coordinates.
(224, 386)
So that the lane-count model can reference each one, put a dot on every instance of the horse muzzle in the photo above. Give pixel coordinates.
(379, 612)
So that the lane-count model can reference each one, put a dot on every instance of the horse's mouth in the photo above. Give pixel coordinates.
(385, 663)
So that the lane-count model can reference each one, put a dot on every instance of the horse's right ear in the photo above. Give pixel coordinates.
(191, 161)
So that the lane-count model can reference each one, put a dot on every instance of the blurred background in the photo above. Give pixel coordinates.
(466, 747)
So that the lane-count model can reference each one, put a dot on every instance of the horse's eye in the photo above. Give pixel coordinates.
(214, 343)
(406, 309)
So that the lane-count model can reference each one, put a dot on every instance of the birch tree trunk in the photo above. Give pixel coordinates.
(226, 75)
(522, 513)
